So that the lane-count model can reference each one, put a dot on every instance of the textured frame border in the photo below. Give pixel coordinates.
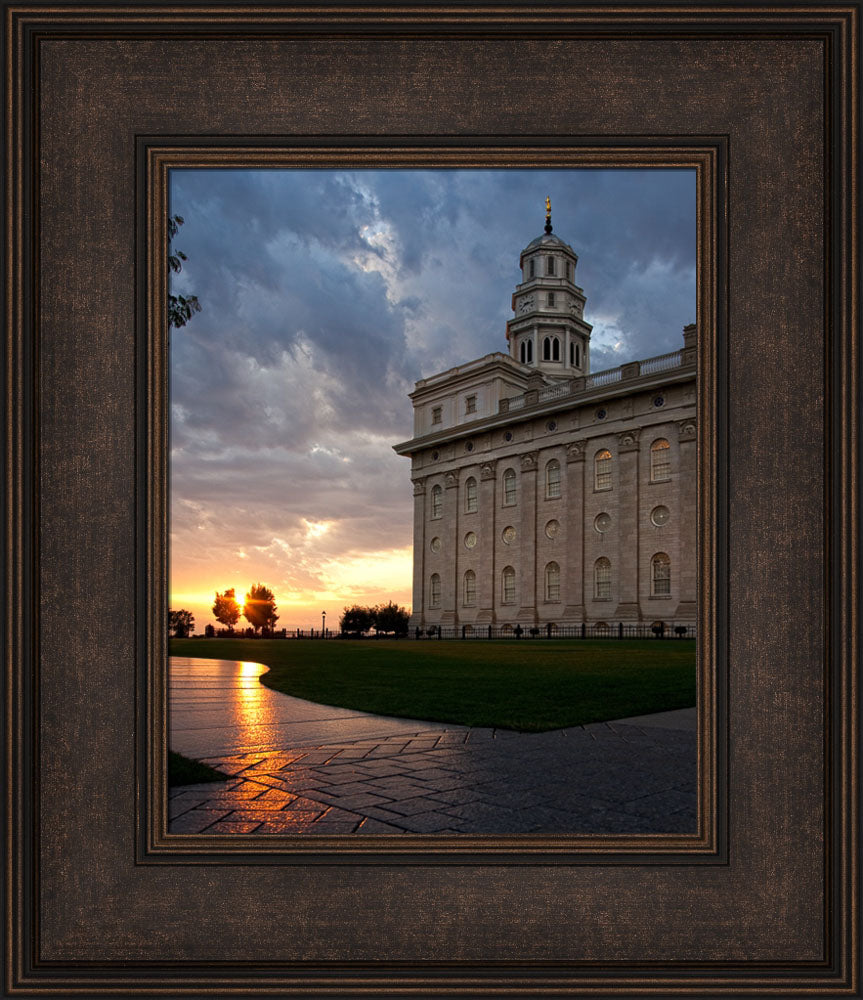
(707, 157)
(838, 26)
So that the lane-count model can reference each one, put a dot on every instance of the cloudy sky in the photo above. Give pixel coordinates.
(326, 294)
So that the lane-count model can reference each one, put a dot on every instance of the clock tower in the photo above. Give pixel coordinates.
(549, 332)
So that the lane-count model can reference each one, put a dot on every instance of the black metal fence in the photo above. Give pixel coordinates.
(550, 630)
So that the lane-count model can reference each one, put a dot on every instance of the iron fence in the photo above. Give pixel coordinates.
(550, 630)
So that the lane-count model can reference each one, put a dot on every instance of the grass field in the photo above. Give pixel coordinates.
(525, 685)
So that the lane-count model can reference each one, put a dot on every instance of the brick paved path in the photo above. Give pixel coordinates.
(396, 776)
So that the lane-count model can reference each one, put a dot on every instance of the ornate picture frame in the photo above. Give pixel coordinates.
(100, 102)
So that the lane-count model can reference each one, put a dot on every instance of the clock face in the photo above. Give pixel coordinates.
(526, 304)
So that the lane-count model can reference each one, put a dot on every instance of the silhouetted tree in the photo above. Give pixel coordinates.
(356, 620)
(181, 623)
(391, 618)
(180, 308)
(226, 609)
(260, 607)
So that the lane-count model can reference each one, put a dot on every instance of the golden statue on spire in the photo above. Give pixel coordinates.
(547, 214)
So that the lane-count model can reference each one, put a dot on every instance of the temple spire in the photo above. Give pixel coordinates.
(547, 214)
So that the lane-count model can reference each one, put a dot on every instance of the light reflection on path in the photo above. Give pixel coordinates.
(218, 707)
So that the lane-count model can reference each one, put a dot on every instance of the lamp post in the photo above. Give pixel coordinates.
(323, 624)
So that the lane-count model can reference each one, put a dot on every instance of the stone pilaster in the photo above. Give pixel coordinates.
(573, 569)
(527, 537)
(449, 581)
(687, 572)
(417, 618)
(487, 574)
(626, 483)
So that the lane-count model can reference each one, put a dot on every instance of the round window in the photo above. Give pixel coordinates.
(602, 522)
(552, 528)
(435, 456)
(470, 540)
(601, 414)
(469, 446)
(660, 516)
(551, 425)
(435, 544)
(659, 400)
(508, 534)
(508, 436)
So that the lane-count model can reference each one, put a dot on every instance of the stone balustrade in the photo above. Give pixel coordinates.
(630, 370)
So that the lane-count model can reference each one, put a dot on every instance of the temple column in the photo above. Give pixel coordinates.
(527, 540)
(417, 619)
(628, 491)
(449, 579)
(487, 572)
(573, 570)
(686, 573)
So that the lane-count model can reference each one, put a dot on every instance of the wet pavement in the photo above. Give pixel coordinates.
(297, 766)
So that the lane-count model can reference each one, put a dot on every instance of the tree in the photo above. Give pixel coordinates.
(180, 308)
(226, 609)
(356, 620)
(391, 618)
(181, 623)
(260, 607)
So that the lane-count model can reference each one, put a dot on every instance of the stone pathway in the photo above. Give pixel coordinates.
(318, 769)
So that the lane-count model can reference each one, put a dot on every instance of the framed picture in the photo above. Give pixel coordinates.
(763, 105)
(534, 475)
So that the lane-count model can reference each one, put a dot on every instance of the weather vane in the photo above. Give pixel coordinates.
(547, 214)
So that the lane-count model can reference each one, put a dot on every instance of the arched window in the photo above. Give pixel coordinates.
(552, 479)
(660, 575)
(530, 352)
(509, 488)
(602, 470)
(469, 589)
(602, 579)
(660, 461)
(552, 582)
(507, 578)
(532, 264)
(578, 356)
(549, 265)
(569, 270)
(434, 591)
(522, 352)
(550, 299)
(470, 502)
(551, 349)
(572, 352)
(436, 502)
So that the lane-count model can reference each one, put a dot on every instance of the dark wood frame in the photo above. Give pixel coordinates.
(707, 156)
(99, 99)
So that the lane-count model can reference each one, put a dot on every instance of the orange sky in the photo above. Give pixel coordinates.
(365, 580)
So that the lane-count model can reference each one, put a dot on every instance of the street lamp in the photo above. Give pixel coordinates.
(323, 624)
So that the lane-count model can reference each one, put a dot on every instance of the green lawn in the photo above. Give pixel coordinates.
(527, 685)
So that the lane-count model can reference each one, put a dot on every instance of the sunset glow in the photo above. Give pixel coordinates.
(343, 581)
